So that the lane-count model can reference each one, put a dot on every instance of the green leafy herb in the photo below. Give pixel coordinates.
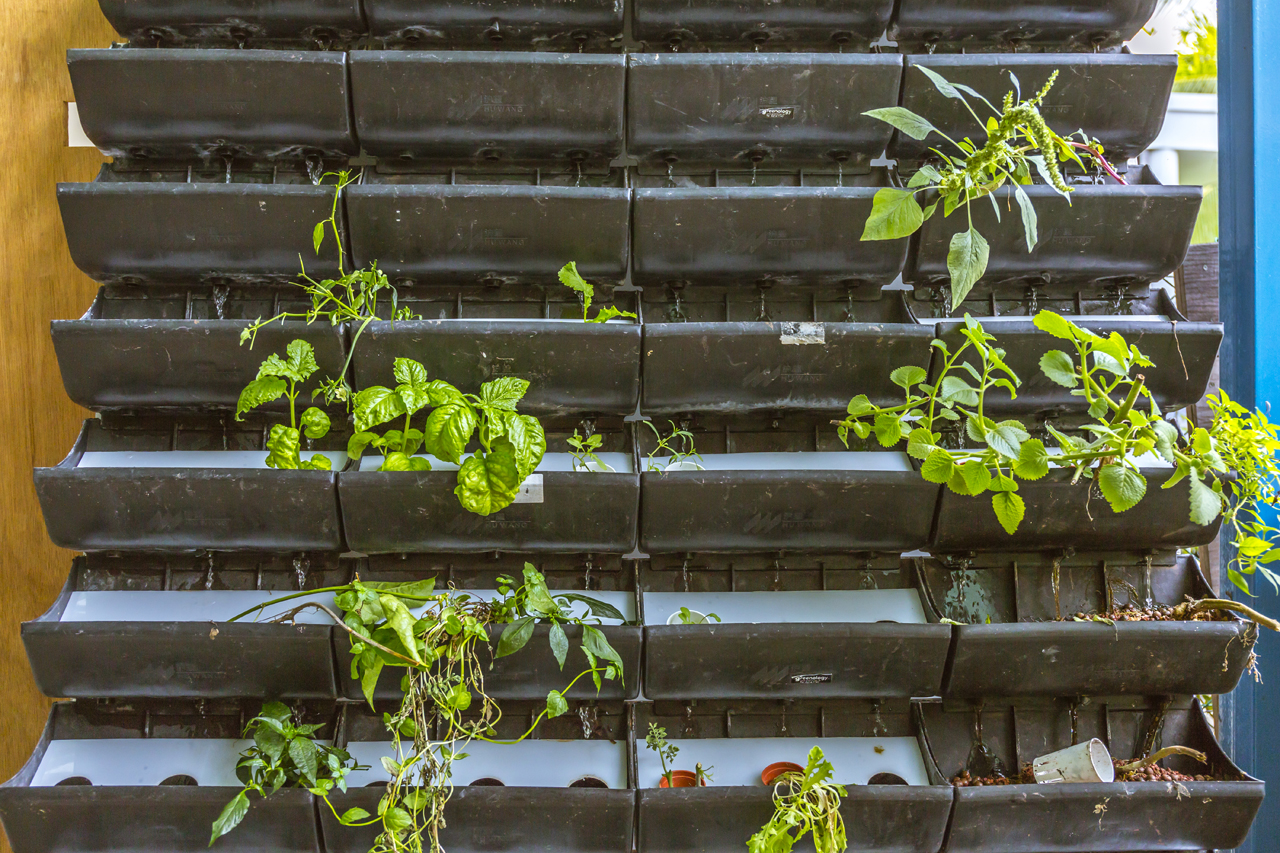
(586, 291)
(283, 754)
(656, 741)
(672, 450)
(283, 377)
(804, 803)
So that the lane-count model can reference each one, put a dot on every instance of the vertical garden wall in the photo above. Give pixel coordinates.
(528, 329)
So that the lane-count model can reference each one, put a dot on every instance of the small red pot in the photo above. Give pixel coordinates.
(681, 779)
(770, 774)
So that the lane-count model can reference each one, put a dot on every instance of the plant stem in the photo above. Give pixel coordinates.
(1134, 390)
(1161, 754)
(1235, 606)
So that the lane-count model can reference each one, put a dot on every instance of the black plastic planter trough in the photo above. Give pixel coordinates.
(153, 23)
(1077, 817)
(179, 347)
(571, 366)
(562, 507)
(558, 791)
(151, 226)
(491, 229)
(756, 631)
(952, 25)
(756, 490)
(893, 804)
(761, 236)
(1183, 352)
(1118, 99)
(213, 103)
(115, 631)
(707, 349)
(136, 484)
(738, 109)
(759, 23)
(566, 25)
(1017, 637)
(1060, 514)
(1106, 234)
(487, 106)
(103, 781)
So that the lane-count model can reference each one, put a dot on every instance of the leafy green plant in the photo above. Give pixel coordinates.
(685, 616)
(283, 754)
(1231, 466)
(1197, 56)
(583, 449)
(655, 740)
(1018, 141)
(283, 377)
(676, 447)
(511, 444)
(804, 803)
(570, 278)
(438, 648)
(351, 297)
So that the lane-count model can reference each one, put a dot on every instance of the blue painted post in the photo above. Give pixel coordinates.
(1249, 169)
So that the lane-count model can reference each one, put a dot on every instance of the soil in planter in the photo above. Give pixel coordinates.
(1153, 613)
(1150, 773)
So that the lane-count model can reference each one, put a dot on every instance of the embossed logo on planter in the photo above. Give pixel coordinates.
(494, 238)
(786, 522)
(811, 678)
(789, 374)
(493, 105)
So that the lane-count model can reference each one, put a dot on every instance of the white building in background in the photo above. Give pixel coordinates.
(1186, 151)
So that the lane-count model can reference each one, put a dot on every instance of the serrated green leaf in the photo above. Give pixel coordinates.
(1010, 510)
(1056, 325)
(1122, 487)
(895, 214)
(966, 262)
(1006, 440)
(920, 443)
(859, 406)
(1059, 367)
(956, 390)
(888, 429)
(906, 376)
(938, 468)
(904, 120)
(976, 477)
(298, 364)
(1206, 504)
(569, 277)
(376, 405)
(1033, 460)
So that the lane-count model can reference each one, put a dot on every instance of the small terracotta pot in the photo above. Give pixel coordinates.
(771, 773)
(681, 779)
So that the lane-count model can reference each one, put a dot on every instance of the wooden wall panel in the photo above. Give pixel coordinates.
(38, 283)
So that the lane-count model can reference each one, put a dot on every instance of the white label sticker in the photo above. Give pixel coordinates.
(530, 490)
(804, 333)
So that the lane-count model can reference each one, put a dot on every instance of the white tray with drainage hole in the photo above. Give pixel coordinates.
(807, 606)
(738, 761)
(213, 459)
(527, 764)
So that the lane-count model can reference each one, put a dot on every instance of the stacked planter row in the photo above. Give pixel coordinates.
(599, 25)
(760, 314)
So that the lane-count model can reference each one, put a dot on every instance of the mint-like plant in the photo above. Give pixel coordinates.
(1018, 141)
(586, 291)
(1231, 466)
(283, 377)
(804, 803)
(283, 754)
(511, 444)
(435, 637)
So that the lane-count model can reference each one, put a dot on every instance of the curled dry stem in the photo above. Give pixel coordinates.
(1161, 754)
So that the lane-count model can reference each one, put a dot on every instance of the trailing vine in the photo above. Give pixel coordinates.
(1231, 467)
(436, 637)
